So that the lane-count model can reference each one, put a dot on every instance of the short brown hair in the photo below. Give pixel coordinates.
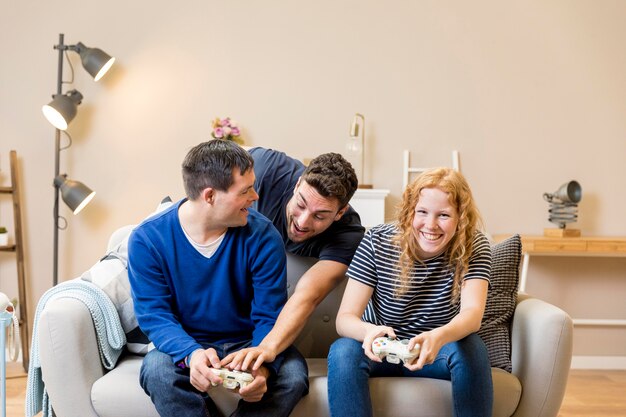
(211, 164)
(332, 176)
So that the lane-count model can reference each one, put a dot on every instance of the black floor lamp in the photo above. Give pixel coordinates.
(60, 112)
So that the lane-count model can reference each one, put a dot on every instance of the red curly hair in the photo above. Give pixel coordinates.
(460, 247)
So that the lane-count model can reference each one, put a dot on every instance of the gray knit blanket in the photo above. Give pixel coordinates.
(109, 333)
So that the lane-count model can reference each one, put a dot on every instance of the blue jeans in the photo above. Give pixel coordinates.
(171, 391)
(465, 363)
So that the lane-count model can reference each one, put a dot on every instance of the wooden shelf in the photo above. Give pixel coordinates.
(574, 246)
(18, 249)
(594, 246)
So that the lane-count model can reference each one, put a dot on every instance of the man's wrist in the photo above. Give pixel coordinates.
(270, 349)
(185, 363)
(265, 371)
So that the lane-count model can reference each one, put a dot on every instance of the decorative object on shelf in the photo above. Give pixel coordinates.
(356, 145)
(227, 129)
(563, 209)
(60, 112)
(4, 236)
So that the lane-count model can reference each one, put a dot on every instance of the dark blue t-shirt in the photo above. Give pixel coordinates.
(276, 177)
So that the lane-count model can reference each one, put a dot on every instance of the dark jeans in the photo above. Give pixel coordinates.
(173, 395)
(465, 363)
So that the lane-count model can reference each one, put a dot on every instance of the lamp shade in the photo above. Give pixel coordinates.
(569, 193)
(354, 128)
(74, 193)
(95, 61)
(62, 109)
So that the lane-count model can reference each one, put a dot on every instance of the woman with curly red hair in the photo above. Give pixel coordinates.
(424, 279)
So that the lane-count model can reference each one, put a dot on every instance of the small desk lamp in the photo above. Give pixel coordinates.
(357, 144)
(563, 209)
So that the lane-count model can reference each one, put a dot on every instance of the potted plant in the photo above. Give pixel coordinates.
(4, 236)
(227, 129)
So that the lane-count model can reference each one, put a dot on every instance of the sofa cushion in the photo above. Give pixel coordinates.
(118, 394)
(111, 274)
(501, 300)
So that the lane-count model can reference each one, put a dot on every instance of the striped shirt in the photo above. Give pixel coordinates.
(426, 304)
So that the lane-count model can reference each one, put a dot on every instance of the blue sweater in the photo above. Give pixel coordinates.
(183, 299)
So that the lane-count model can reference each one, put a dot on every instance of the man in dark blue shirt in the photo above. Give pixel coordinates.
(309, 208)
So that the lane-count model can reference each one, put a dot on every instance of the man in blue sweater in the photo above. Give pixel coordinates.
(208, 278)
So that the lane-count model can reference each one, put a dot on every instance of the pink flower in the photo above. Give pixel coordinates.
(225, 128)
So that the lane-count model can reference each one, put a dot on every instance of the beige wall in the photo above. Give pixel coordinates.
(531, 93)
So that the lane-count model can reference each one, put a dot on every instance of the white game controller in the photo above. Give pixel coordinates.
(233, 379)
(394, 350)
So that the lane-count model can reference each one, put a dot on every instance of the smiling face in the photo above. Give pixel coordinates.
(231, 206)
(309, 213)
(434, 223)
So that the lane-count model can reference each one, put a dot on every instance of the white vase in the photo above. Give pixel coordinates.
(4, 239)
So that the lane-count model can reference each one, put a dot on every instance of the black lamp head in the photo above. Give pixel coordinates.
(95, 61)
(62, 109)
(74, 193)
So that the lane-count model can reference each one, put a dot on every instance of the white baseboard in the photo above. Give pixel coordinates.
(599, 362)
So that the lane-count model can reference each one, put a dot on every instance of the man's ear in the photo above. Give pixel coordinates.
(296, 187)
(208, 195)
(341, 212)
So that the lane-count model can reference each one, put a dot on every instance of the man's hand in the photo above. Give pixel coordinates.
(255, 356)
(254, 391)
(199, 374)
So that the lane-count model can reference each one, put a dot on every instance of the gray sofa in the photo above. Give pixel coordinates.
(78, 385)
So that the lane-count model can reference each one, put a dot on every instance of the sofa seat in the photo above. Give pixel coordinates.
(115, 394)
(79, 386)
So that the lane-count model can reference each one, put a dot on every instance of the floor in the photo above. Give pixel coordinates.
(588, 394)
(595, 394)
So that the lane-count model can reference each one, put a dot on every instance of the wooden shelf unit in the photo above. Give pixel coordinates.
(18, 248)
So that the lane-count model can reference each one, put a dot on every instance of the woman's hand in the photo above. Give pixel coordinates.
(430, 343)
(373, 333)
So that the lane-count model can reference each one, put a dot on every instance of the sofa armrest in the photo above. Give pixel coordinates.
(541, 353)
(70, 361)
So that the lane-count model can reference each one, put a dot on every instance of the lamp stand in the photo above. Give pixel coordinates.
(357, 130)
(57, 165)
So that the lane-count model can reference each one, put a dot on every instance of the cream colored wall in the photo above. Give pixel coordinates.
(531, 93)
